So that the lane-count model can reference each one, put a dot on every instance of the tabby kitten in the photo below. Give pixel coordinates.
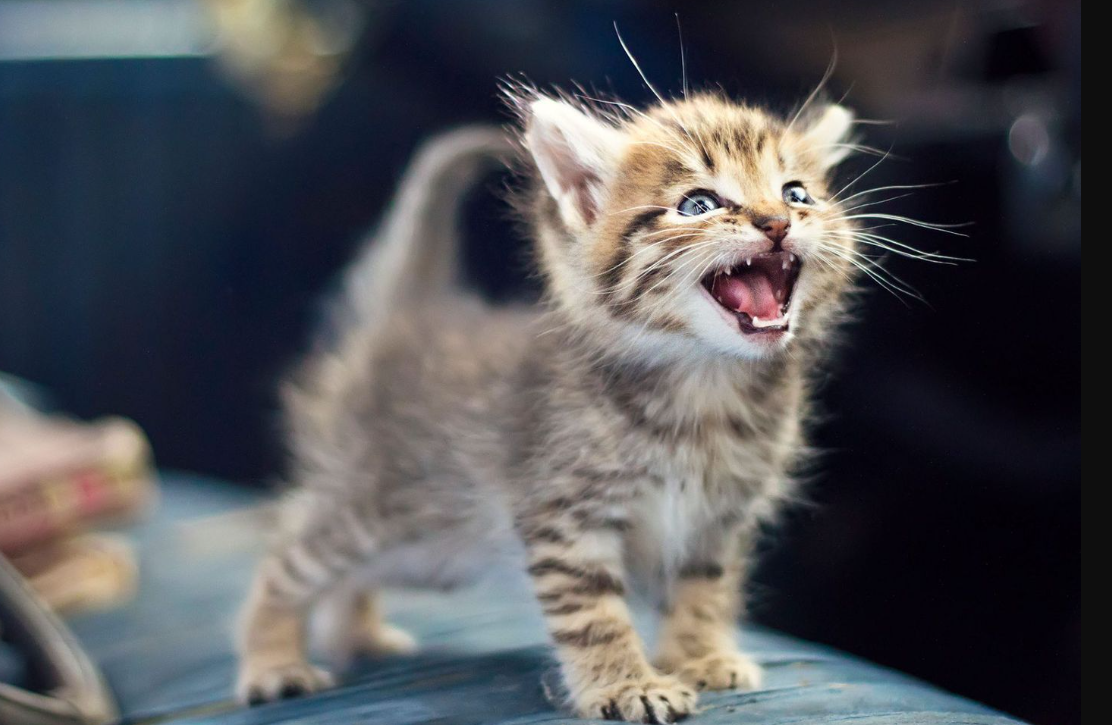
(635, 430)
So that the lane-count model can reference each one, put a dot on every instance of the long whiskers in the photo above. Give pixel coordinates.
(655, 264)
(865, 205)
(933, 226)
(892, 187)
(899, 248)
(860, 176)
(818, 89)
(871, 268)
(684, 234)
(639, 207)
(663, 103)
(683, 56)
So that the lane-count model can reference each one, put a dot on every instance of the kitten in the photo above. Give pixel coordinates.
(635, 430)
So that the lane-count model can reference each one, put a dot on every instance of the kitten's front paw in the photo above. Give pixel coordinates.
(259, 683)
(652, 700)
(721, 671)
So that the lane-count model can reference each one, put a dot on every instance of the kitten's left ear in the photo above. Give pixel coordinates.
(829, 135)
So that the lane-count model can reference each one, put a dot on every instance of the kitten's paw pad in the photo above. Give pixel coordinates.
(659, 700)
(387, 640)
(260, 684)
(721, 671)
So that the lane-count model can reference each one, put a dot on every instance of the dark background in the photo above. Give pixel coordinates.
(164, 240)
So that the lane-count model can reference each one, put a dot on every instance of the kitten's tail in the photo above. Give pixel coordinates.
(414, 251)
(416, 247)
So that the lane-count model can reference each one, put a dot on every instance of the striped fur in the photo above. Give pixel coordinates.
(620, 436)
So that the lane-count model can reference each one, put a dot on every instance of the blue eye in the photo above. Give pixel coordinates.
(794, 193)
(698, 203)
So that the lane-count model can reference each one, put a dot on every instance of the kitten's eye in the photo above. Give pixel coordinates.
(698, 203)
(794, 193)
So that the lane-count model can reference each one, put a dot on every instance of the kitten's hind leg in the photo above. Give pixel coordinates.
(273, 663)
(353, 624)
(375, 636)
(273, 660)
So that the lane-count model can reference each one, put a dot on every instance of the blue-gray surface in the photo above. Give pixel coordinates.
(168, 654)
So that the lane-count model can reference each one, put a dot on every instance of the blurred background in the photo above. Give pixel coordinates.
(181, 181)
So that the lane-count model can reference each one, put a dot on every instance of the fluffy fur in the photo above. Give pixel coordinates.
(630, 431)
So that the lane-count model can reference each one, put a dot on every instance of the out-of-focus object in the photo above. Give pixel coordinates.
(58, 476)
(70, 689)
(285, 55)
(82, 573)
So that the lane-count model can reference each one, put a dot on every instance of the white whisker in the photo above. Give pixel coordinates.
(814, 94)
(875, 271)
(663, 104)
(904, 250)
(891, 188)
(859, 177)
(944, 228)
(683, 56)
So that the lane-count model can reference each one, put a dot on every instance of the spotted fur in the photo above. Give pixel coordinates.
(622, 435)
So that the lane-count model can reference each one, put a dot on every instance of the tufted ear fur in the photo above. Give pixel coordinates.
(829, 135)
(577, 155)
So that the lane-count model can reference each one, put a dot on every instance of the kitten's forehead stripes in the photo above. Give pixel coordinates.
(743, 137)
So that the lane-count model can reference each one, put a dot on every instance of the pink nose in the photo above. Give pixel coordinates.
(774, 227)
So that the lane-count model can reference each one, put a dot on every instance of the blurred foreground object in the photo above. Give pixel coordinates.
(83, 573)
(59, 477)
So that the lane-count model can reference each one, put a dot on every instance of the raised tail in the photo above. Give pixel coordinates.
(416, 246)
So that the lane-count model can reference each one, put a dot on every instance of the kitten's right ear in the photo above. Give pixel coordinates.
(829, 133)
(577, 155)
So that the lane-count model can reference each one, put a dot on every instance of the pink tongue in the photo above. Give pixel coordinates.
(750, 292)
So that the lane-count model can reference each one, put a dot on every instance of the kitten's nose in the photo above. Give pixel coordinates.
(774, 227)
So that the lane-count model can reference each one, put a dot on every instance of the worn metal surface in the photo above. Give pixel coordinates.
(168, 655)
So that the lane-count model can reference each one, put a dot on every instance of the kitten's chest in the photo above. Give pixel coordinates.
(712, 464)
(671, 518)
(707, 449)
(697, 483)
(717, 444)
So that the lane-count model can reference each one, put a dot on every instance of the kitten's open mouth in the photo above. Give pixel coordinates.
(757, 291)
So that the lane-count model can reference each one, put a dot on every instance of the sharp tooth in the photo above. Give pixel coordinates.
(729, 272)
(748, 261)
(791, 257)
(785, 264)
(756, 320)
(719, 298)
